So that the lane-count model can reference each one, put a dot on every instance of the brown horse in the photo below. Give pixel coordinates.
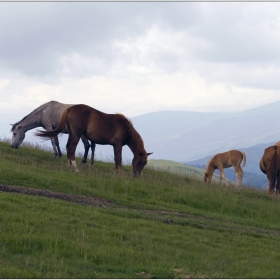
(269, 165)
(100, 128)
(225, 160)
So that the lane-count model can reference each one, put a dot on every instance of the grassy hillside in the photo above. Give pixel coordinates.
(178, 168)
(253, 156)
(175, 167)
(249, 179)
(96, 224)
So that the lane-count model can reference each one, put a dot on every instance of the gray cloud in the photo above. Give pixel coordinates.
(34, 35)
(41, 38)
(239, 32)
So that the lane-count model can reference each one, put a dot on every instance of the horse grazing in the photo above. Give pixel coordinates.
(100, 128)
(269, 165)
(47, 116)
(225, 160)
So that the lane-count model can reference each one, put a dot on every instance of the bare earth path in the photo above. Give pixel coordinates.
(63, 196)
(84, 200)
(170, 217)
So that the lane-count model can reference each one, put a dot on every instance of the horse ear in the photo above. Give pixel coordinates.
(149, 154)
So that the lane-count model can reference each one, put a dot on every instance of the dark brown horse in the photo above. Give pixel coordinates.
(269, 165)
(100, 128)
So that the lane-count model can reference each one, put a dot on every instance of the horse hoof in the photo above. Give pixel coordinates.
(74, 170)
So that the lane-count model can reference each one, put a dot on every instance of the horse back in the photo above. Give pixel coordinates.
(228, 159)
(51, 113)
(97, 126)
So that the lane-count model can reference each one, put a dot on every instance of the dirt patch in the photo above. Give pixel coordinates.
(89, 200)
(169, 216)
(57, 195)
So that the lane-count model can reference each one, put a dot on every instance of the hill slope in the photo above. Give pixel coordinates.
(158, 226)
(197, 171)
(252, 173)
(253, 156)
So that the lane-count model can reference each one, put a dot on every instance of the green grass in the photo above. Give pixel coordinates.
(180, 169)
(161, 225)
(176, 168)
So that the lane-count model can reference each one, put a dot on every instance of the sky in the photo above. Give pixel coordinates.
(139, 57)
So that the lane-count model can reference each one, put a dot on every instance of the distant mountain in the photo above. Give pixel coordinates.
(186, 136)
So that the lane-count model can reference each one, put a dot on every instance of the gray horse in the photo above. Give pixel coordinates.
(47, 116)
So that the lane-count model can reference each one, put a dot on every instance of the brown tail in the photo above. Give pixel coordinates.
(52, 133)
(262, 167)
(244, 159)
(274, 166)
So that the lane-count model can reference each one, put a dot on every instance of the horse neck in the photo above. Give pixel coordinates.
(210, 169)
(31, 121)
(136, 144)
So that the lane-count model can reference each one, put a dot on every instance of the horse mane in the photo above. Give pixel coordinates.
(208, 163)
(134, 135)
(122, 116)
(15, 124)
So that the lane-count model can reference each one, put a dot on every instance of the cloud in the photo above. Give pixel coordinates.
(42, 34)
(4, 83)
(177, 91)
(38, 34)
(136, 57)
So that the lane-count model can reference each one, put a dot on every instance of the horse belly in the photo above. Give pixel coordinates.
(99, 136)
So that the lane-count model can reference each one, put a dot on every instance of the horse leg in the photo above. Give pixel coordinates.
(271, 186)
(278, 183)
(92, 153)
(239, 175)
(118, 158)
(87, 146)
(55, 143)
(54, 147)
(57, 146)
(222, 175)
(71, 148)
(272, 182)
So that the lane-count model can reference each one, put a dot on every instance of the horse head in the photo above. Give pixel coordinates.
(205, 177)
(18, 135)
(138, 163)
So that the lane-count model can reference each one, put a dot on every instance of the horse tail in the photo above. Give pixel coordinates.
(262, 166)
(274, 165)
(244, 159)
(58, 130)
